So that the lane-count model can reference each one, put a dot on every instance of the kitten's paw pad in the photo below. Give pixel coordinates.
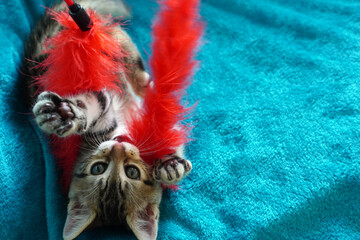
(171, 169)
(65, 111)
(54, 115)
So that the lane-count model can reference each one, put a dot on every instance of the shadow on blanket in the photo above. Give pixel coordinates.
(333, 206)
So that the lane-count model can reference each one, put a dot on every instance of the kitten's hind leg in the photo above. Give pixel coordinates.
(136, 74)
(140, 78)
(171, 169)
(56, 115)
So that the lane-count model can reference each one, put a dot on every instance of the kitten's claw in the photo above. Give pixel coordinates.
(68, 125)
(171, 169)
(46, 108)
(54, 115)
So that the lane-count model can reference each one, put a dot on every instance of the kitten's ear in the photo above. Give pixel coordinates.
(144, 222)
(78, 218)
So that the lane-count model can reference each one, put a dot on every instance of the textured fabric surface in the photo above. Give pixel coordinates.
(277, 133)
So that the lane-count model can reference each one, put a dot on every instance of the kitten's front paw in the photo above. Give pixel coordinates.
(54, 115)
(171, 169)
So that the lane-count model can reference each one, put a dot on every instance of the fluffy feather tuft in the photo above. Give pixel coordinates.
(81, 61)
(158, 131)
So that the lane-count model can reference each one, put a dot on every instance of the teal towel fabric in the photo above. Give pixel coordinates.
(277, 146)
(22, 171)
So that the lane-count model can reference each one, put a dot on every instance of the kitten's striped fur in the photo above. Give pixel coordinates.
(111, 184)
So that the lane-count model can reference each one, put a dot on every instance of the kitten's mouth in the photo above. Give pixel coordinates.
(123, 138)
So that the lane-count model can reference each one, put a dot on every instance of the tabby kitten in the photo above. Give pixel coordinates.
(111, 184)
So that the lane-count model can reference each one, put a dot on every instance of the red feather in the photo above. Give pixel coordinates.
(176, 35)
(81, 61)
(65, 151)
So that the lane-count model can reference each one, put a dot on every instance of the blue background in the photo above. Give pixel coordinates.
(277, 131)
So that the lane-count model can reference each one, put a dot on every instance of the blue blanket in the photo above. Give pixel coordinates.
(277, 132)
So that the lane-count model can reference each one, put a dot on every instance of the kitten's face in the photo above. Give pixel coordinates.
(113, 186)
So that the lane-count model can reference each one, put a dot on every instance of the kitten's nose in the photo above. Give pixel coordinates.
(118, 151)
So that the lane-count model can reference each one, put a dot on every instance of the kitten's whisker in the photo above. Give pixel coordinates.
(142, 143)
(135, 199)
(90, 141)
(92, 191)
(141, 140)
(87, 147)
(152, 145)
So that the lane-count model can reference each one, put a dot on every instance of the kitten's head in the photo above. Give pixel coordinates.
(110, 187)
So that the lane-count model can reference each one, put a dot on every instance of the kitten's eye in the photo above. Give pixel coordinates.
(98, 168)
(132, 172)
